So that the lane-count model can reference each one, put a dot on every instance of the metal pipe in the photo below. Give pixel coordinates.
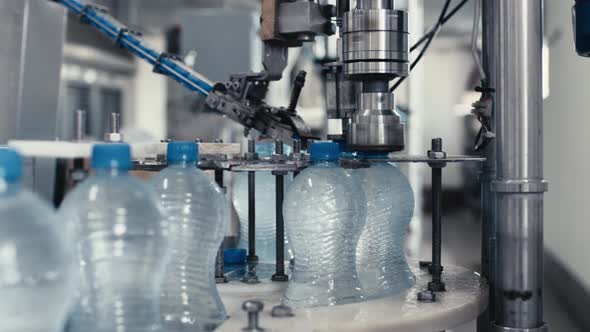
(436, 268)
(488, 172)
(279, 223)
(115, 122)
(252, 208)
(519, 185)
(80, 125)
(375, 4)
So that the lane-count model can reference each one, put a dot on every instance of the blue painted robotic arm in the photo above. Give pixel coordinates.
(240, 98)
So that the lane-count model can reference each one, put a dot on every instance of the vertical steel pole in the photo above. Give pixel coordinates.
(488, 172)
(519, 186)
(252, 208)
(279, 223)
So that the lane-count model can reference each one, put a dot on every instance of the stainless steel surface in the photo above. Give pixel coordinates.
(544, 328)
(376, 126)
(519, 271)
(375, 41)
(375, 49)
(488, 172)
(375, 4)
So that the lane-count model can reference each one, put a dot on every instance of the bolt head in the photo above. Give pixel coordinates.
(252, 306)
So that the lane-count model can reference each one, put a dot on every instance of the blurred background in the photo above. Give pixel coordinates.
(82, 70)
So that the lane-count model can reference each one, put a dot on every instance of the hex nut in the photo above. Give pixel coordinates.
(113, 137)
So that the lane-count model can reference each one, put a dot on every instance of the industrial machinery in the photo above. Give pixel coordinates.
(374, 50)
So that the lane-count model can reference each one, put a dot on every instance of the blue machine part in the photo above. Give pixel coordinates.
(129, 40)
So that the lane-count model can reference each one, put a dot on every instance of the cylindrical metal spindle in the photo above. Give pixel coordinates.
(115, 122)
(280, 223)
(252, 208)
(519, 185)
(436, 268)
(488, 172)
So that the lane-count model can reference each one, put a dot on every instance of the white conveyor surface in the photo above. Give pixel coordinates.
(465, 299)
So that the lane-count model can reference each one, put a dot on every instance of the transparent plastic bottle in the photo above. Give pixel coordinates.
(381, 260)
(122, 244)
(37, 260)
(198, 217)
(265, 206)
(324, 213)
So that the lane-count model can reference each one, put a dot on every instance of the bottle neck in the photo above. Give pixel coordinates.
(111, 172)
(9, 188)
(182, 164)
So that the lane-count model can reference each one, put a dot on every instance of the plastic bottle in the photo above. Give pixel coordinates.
(198, 216)
(37, 274)
(122, 244)
(324, 213)
(381, 261)
(265, 206)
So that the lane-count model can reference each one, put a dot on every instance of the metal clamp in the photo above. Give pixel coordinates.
(158, 63)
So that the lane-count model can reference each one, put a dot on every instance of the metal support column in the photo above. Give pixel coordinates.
(488, 172)
(280, 224)
(252, 208)
(519, 186)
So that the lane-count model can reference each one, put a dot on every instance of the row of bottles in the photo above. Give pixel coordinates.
(347, 229)
(120, 255)
(147, 251)
(125, 255)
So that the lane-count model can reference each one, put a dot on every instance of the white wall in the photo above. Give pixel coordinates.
(567, 156)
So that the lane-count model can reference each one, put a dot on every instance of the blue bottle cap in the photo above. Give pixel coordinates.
(234, 256)
(325, 151)
(11, 165)
(114, 155)
(183, 151)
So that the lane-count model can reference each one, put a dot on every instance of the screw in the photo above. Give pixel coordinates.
(278, 147)
(253, 308)
(296, 146)
(282, 311)
(80, 125)
(437, 144)
(296, 93)
(115, 122)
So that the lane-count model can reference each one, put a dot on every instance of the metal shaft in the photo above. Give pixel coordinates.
(488, 172)
(252, 216)
(115, 122)
(519, 186)
(280, 226)
(436, 222)
(436, 268)
(252, 209)
(280, 223)
(80, 125)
